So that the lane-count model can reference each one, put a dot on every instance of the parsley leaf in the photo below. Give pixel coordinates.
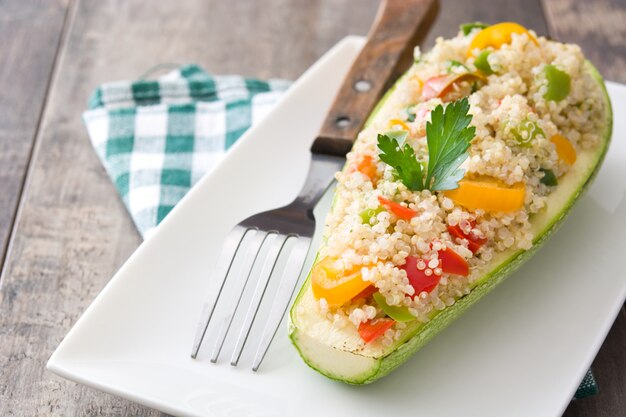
(402, 159)
(448, 136)
(399, 135)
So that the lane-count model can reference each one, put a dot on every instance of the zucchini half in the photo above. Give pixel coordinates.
(311, 336)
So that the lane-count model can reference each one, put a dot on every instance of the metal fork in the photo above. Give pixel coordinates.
(399, 25)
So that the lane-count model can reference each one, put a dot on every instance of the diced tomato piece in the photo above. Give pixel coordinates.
(474, 242)
(453, 263)
(399, 210)
(366, 293)
(434, 86)
(439, 85)
(373, 329)
(418, 278)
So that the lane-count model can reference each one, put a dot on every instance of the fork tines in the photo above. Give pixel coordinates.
(253, 248)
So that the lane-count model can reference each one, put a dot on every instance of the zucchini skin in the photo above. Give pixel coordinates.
(418, 336)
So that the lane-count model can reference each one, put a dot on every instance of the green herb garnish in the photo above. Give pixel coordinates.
(448, 135)
(402, 159)
(398, 135)
(467, 28)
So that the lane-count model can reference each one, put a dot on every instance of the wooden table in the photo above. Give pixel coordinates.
(64, 231)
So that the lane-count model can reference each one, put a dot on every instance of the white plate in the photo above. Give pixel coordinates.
(520, 352)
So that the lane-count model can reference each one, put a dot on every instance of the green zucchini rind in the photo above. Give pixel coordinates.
(354, 368)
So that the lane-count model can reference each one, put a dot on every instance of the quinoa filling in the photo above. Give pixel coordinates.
(393, 254)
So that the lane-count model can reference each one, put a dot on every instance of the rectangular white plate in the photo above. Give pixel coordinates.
(520, 352)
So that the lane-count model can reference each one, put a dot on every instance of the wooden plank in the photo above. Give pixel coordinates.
(29, 38)
(599, 27)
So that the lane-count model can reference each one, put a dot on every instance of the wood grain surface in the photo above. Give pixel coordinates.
(29, 39)
(73, 233)
(598, 26)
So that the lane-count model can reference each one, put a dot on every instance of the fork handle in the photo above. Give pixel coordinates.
(399, 25)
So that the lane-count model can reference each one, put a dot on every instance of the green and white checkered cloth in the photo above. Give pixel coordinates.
(157, 138)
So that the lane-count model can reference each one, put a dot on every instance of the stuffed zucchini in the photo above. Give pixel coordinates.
(465, 168)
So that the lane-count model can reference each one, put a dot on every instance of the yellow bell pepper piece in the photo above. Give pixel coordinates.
(564, 149)
(329, 280)
(497, 35)
(488, 194)
(394, 122)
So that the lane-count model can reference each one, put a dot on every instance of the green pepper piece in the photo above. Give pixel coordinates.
(396, 313)
(548, 177)
(559, 83)
(526, 131)
(466, 28)
(367, 215)
(482, 63)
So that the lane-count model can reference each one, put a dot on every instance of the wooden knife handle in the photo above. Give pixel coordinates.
(399, 26)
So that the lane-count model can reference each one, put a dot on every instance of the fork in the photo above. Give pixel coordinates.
(399, 25)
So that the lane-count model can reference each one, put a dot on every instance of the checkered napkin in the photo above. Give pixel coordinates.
(156, 138)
